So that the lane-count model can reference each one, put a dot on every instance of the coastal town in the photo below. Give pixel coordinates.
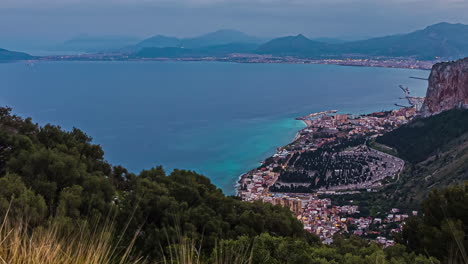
(385, 62)
(334, 154)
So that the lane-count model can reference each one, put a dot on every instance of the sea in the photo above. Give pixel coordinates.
(216, 118)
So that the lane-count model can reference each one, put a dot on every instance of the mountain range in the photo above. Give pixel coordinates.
(86, 43)
(443, 40)
(440, 40)
(217, 38)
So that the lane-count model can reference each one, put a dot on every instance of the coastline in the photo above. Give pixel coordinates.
(261, 160)
(250, 188)
(398, 63)
(291, 178)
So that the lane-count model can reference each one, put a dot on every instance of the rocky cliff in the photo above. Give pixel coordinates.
(448, 87)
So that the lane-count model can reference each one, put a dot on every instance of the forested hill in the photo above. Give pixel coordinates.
(436, 149)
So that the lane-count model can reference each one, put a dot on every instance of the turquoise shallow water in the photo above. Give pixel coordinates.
(219, 119)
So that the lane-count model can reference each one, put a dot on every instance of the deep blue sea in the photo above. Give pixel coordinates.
(219, 119)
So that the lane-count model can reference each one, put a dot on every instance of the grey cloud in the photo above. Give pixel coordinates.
(62, 19)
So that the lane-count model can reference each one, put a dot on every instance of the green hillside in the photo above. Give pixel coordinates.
(436, 151)
(422, 138)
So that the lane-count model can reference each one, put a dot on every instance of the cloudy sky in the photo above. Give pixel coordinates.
(57, 20)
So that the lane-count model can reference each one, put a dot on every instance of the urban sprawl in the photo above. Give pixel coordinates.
(332, 156)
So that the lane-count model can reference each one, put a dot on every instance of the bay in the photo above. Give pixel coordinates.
(219, 119)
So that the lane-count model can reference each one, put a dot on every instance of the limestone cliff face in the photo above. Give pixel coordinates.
(448, 87)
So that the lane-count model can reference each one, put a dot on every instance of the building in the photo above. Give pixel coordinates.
(341, 118)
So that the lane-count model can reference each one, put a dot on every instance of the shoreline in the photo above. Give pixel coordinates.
(395, 63)
(240, 177)
(284, 153)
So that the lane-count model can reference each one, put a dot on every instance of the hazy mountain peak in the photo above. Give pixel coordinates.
(219, 37)
(443, 26)
(442, 40)
(90, 43)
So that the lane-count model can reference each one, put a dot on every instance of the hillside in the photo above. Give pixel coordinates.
(213, 39)
(86, 43)
(440, 40)
(293, 46)
(422, 138)
(443, 40)
(437, 151)
(159, 41)
(6, 55)
(220, 37)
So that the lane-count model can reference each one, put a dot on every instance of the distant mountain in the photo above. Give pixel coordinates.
(6, 55)
(160, 41)
(217, 38)
(220, 37)
(330, 40)
(440, 40)
(293, 46)
(443, 40)
(87, 43)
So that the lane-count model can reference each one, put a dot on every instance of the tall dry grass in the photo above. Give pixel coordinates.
(20, 245)
(224, 253)
(186, 250)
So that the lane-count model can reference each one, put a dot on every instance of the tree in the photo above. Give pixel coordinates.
(20, 202)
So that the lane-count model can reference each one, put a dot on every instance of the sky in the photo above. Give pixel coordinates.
(44, 21)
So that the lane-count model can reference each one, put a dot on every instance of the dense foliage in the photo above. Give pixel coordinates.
(422, 138)
(266, 249)
(442, 229)
(50, 173)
